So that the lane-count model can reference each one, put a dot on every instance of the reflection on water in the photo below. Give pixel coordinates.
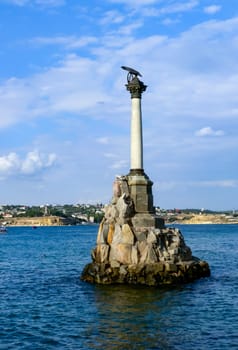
(131, 317)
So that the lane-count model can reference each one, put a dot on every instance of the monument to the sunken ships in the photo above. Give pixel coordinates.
(133, 244)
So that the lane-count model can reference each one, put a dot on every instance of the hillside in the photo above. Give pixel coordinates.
(201, 219)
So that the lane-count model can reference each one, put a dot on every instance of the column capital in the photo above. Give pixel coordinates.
(136, 87)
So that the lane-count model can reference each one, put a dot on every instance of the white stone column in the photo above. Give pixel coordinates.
(140, 186)
(136, 88)
(136, 135)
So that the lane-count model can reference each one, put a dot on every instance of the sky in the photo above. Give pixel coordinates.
(65, 111)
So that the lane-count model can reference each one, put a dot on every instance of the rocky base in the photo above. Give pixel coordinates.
(156, 274)
(135, 247)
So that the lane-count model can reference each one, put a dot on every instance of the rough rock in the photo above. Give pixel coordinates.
(156, 274)
(131, 248)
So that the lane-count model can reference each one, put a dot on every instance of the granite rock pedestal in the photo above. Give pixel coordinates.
(135, 247)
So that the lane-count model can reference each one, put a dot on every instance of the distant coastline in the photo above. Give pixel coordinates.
(185, 219)
(34, 221)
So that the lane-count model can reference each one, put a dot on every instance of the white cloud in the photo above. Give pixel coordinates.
(210, 10)
(14, 99)
(134, 2)
(112, 17)
(219, 183)
(168, 21)
(33, 163)
(179, 7)
(69, 42)
(75, 86)
(192, 86)
(103, 140)
(9, 163)
(50, 3)
(110, 155)
(16, 2)
(120, 164)
(191, 78)
(166, 186)
(128, 29)
(173, 8)
(42, 3)
(205, 80)
(208, 131)
(178, 87)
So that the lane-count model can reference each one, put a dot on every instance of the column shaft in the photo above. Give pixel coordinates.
(136, 135)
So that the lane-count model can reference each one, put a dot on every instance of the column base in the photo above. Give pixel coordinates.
(134, 172)
(140, 188)
(147, 220)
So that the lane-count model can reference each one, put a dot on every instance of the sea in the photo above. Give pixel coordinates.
(45, 305)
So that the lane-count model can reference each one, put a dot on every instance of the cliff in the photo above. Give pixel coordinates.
(35, 221)
(202, 219)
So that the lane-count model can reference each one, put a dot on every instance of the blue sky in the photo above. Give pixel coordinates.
(65, 112)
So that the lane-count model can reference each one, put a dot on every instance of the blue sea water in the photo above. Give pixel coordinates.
(45, 305)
